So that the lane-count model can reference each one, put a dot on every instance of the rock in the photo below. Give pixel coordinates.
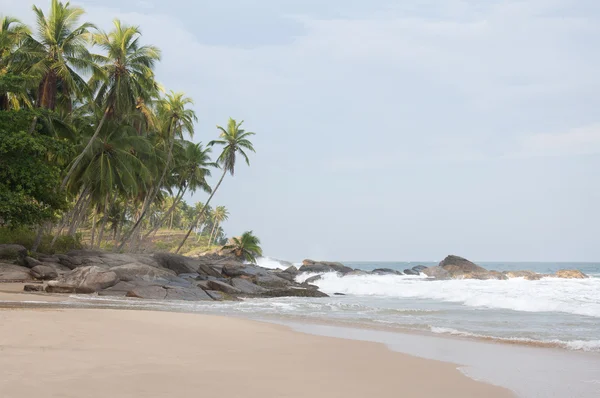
(119, 290)
(220, 296)
(59, 268)
(88, 279)
(487, 275)
(271, 281)
(48, 259)
(187, 294)
(44, 272)
(419, 268)
(246, 286)
(203, 285)
(233, 271)
(436, 272)
(148, 292)
(143, 272)
(457, 265)
(12, 252)
(385, 271)
(14, 273)
(222, 287)
(313, 279)
(177, 263)
(287, 276)
(360, 272)
(324, 266)
(529, 275)
(33, 288)
(31, 262)
(411, 271)
(339, 294)
(570, 274)
(68, 261)
(294, 292)
(309, 286)
(291, 270)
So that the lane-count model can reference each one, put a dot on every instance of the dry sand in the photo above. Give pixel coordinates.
(96, 353)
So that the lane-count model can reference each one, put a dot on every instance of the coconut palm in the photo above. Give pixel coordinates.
(219, 215)
(57, 52)
(234, 140)
(12, 35)
(124, 78)
(246, 246)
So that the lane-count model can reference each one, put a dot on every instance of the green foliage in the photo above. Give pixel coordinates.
(247, 247)
(29, 172)
(25, 236)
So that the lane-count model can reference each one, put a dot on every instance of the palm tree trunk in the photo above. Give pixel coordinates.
(69, 216)
(93, 229)
(211, 234)
(87, 147)
(120, 225)
(169, 212)
(79, 215)
(153, 195)
(40, 234)
(199, 216)
(105, 216)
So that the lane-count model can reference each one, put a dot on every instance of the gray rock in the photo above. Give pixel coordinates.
(120, 289)
(148, 292)
(385, 271)
(184, 265)
(233, 271)
(271, 281)
(411, 271)
(68, 261)
(457, 265)
(436, 272)
(88, 279)
(143, 272)
(287, 276)
(33, 288)
(294, 292)
(357, 272)
(12, 252)
(220, 296)
(419, 268)
(339, 294)
(246, 286)
(487, 275)
(529, 275)
(31, 262)
(48, 259)
(313, 279)
(291, 270)
(187, 294)
(59, 268)
(222, 287)
(324, 266)
(14, 273)
(44, 272)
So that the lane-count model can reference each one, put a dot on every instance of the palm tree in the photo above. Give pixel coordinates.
(178, 119)
(12, 35)
(57, 52)
(234, 141)
(219, 215)
(125, 77)
(246, 246)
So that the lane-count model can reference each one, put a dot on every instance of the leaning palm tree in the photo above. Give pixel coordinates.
(219, 215)
(246, 246)
(178, 118)
(234, 140)
(126, 75)
(58, 52)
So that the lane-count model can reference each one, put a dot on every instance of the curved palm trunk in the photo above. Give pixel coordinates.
(93, 229)
(168, 213)
(105, 216)
(153, 196)
(199, 216)
(87, 148)
(69, 216)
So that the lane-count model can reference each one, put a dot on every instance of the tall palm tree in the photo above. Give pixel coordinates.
(124, 78)
(219, 215)
(246, 246)
(177, 119)
(12, 35)
(234, 140)
(57, 52)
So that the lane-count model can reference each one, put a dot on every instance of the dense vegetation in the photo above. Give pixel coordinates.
(91, 145)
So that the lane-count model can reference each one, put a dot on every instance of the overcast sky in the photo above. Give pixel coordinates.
(393, 132)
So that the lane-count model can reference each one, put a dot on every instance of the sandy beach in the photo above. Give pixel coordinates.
(120, 353)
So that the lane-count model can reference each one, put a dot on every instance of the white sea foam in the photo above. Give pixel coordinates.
(575, 296)
(271, 263)
(581, 345)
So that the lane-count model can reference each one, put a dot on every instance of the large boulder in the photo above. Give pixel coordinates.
(169, 293)
(436, 272)
(529, 275)
(31, 262)
(313, 279)
(570, 274)
(246, 286)
(14, 273)
(33, 288)
(410, 271)
(487, 275)
(69, 262)
(294, 292)
(457, 265)
(385, 271)
(233, 271)
(44, 272)
(88, 279)
(222, 287)
(12, 252)
(324, 266)
(271, 281)
(419, 268)
(143, 272)
(185, 265)
(221, 296)
(121, 289)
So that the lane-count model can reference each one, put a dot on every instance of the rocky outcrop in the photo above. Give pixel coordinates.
(419, 268)
(294, 292)
(570, 274)
(529, 275)
(410, 271)
(271, 281)
(313, 279)
(436, 272)
(33, 288)
(143, 272)
(31, 262)
(222, 287)
(324, 266)
(169, 293)
(12, 252)
(247, 287)
(457, 265)
(87, 279)
(43, 272)
(385, 271)
(14, 273)
(486, 275)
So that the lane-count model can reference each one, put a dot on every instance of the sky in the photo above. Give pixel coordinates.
(392, 131)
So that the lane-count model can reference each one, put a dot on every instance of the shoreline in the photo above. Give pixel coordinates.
(167, 353)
